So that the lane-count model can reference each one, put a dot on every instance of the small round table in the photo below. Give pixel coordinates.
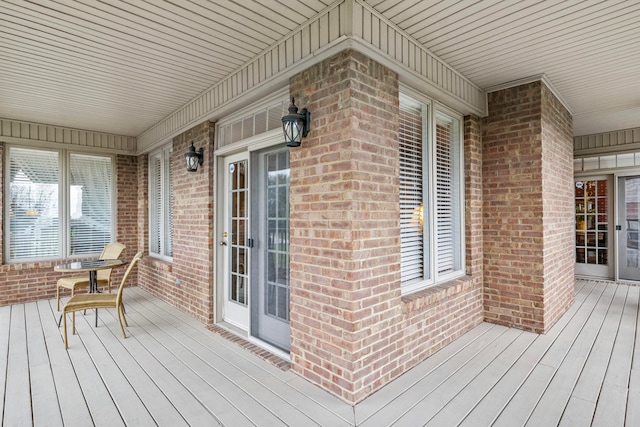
(92, 266)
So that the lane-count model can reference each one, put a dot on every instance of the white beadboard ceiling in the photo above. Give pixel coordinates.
(122, 66)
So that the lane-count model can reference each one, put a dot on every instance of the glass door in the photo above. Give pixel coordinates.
(593, 207)
(627, 228)
(235, 241)
(270, 286)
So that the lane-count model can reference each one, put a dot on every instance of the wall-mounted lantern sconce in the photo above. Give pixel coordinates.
(295, 125)
(193, 158)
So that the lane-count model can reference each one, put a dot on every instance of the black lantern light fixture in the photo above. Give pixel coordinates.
(295, 125)
(193, 158)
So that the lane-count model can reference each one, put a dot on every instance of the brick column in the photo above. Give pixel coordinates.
(186, 282)
(528, 208)
(345, 248)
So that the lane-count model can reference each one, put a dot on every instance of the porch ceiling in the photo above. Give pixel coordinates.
(122, 66)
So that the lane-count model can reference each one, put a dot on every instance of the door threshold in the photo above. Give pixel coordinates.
(232, 333)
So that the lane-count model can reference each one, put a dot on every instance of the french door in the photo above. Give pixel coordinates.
(627, 227)
(254, 241)
(270, 296)
(594, 233)
(235, 241)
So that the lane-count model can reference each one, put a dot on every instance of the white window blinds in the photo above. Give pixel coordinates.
(155, 203)
(61, 204)
(448, 194)
(431, 195)
(34, 221)
(160, 204)
(90, 207)
(413, 233)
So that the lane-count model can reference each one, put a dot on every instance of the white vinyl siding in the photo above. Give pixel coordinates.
(431, 196)
(160, 204)
(50, 219)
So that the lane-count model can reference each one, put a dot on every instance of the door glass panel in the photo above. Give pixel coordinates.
(277, 231)
(629, 251)
(591, 201)
(239, 198)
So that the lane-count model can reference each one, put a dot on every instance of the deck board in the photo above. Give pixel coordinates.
(5, 328)
(427, 408)
(613, 396)
(74, 409)
(255, 400)
(17, 389)
(464, 402)
(556, 397)
(44, 398)
(524, 401)
(430, 382)
(405, 383)
(170, 370)
(118, 366)
(231, 358)
(493, 402)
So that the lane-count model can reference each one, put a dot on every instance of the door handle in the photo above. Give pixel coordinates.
(223, 243)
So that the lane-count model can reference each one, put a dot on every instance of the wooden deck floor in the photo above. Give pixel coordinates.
(172, 371)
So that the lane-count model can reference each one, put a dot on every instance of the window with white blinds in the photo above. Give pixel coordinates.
(160, 204)
(414, 241)
(48, 219)
(448, 195)
(431, 217)
(90, 207)
(34, 217)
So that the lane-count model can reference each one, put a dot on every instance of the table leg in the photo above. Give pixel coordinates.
(93, 287)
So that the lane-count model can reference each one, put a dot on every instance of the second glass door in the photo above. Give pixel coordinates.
(627, 228)
(594, 238)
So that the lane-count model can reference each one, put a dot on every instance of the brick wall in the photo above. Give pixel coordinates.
(192, 262)
(344, 223)
(527, 175)
(558, 206)
(25, 282)
(473, 185)
(351, 331)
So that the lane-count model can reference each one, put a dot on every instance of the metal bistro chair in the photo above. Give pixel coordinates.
(111, 251)
(96, 300)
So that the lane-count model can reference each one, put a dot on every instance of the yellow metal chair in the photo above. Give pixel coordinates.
(96, 301)
(111, 251)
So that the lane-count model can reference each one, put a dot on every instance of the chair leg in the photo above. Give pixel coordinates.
(58, 297)
(73, 322)
(120, 322)
(64, 322)
(123, 315)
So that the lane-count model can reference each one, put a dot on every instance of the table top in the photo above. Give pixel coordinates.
(88, 265)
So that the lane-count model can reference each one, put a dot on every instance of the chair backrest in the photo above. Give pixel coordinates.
(111, 251)
(132, 264)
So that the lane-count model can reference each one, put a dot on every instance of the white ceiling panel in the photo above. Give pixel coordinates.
(589, 50)
(120, 66)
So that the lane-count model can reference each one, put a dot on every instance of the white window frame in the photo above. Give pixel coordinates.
(165, 225)
(431, 276)
(64, 194)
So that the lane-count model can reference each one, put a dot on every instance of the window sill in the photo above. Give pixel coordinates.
(423, 298)
(159, 263)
